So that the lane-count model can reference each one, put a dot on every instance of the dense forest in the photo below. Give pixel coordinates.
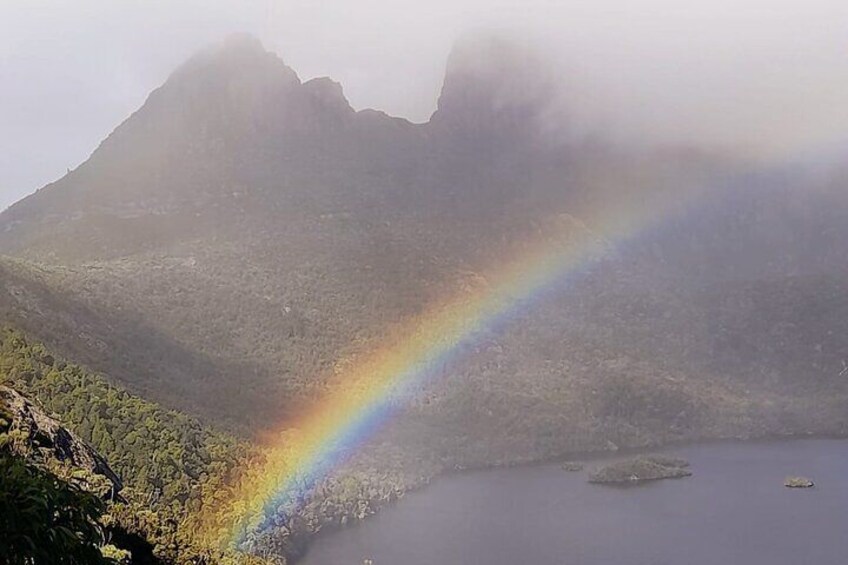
(178, 474)
(170, 464)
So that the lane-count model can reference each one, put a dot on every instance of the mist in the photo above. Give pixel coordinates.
(273, 272)
(764, 78)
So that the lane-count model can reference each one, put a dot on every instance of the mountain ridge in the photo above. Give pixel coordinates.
(244, 237)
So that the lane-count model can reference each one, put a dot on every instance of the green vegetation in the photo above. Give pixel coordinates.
(798, 482)
(46, 521)
(179, 475)
(639, 469)
(170, 464)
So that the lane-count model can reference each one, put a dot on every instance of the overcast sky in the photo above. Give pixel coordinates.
(768, 75)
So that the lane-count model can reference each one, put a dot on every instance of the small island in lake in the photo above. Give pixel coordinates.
(647, 468)
(798, 482)
(572, 466)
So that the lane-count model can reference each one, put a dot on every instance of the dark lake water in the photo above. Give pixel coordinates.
(733, 511)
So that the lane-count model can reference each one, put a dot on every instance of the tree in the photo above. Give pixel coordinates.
(44, 520)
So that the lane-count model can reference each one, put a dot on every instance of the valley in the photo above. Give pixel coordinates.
(247, 248)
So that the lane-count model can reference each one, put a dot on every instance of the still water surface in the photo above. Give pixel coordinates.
(733, 511)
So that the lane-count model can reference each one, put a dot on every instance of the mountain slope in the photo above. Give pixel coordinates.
(244, 236)
(244, 233)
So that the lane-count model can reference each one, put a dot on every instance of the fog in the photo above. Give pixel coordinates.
(764, 77)
(574, 240)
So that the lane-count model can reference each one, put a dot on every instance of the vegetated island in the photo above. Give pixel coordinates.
(639, 469)
(798, 482)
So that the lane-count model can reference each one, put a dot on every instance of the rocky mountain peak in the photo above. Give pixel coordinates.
(242, 41)
(238, 56)
(327, 95)
(493, 84)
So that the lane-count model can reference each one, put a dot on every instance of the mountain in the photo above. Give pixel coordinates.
(245, 235)
(237, 179)
(232, 128)
(244, 231)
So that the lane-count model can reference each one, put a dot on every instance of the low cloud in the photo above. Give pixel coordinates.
(765, 77)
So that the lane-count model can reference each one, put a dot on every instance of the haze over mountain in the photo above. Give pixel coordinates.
(245, 235)
(763, 76)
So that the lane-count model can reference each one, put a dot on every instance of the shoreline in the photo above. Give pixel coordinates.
(486, 509)
(581, 456)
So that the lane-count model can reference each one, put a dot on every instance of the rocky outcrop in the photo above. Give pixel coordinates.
(494, 88)
(798, 482)
(43, 441)
(640, 469)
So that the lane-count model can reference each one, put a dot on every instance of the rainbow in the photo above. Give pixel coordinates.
(307, 450)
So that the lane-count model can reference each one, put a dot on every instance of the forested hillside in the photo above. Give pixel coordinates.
(177, 474)
(168, 462)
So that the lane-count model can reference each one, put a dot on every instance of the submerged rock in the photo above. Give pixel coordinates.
(649, 468)
(798, 482)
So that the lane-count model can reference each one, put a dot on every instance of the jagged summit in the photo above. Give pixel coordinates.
(328, 95)
(236, 45)
(235, 119)
(239, 55)
(493, 83)
(230, 112)
(242, 41)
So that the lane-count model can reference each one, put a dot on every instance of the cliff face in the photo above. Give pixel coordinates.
(495, 92)
(45, 442)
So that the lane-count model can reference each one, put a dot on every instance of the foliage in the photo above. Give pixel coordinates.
(46, 521)
(182, 478)
(169, 463)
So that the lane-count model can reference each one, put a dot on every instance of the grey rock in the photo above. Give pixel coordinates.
(45, 442)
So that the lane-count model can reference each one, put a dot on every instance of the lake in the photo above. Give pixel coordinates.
(733, 511)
